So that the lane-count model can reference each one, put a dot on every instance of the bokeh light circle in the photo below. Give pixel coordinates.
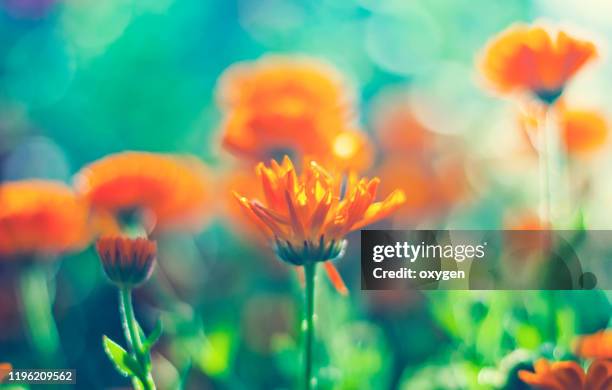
(36, 157)
(403, 45)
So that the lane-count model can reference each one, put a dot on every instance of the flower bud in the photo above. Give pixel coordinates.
(127, 262)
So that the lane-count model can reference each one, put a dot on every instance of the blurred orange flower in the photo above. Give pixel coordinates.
(568, 375)
(166, 191)
(430, 190)
(307, 216)
(429, 167)
(583, 131)
(238, 179)
(526, 220)
(41, 217)
(398, 128)
(595, 346)
(413, 176)
(5, 369)
(289, 105)
(527, 237)
(534, 59)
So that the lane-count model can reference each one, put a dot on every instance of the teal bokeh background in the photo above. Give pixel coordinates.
(80, 79)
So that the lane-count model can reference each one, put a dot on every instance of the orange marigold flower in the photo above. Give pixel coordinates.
(170, 192)
(308, 215)
(127, 262)
(595, 346)
(283, 104)
(583, 131)
(534, 59)
(568, 375)
(350, 150)
(40, 217)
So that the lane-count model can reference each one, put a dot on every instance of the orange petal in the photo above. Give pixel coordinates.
(320, 214)
(380, 210)
(595, 346)
(300, 276)
(335, 278)
(570, 374)
(599, 375)
(539, 382)
(267, 218)
(296, 223)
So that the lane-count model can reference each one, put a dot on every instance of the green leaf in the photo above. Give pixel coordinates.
(217, 352)
(140, 331)
(153, 337)
(143, 353)
(123, 362)
(527, 336)
(137, 383)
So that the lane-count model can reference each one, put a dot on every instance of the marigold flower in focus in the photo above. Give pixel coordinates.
(239, 181)
(568, 375)
(595, 346)
(127, 262)
(583, 131)
(283, 104)
(39, 217)
(307, 216)
(165, 191)
(352, 152)
(534, 59)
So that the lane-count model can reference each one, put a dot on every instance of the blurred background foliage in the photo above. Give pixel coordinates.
(80, 79)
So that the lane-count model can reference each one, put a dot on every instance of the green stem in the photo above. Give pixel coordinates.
(37, 310)
(132, 336)
(551, 300)
(556, 204)
(545, 169)
(308, 324)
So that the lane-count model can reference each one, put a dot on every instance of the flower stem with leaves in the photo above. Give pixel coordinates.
(137, 362)
(128, 263)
